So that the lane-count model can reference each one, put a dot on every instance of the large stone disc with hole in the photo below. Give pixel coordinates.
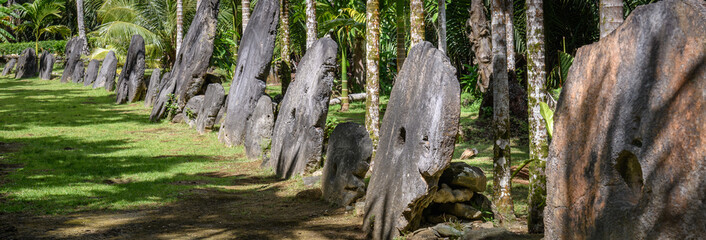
(298, 137)
(417, 140)
(628, 157)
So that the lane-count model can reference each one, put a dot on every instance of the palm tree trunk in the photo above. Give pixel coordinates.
(502, 186)
(510, 36)
(285, 66)
(372, 85)
(442, 25)
(81, 30)
(246, 13)
(311, 35)
(416, 16)
(235, 31)
(344, 80)
(401, 11)
(179, 25)
(536, 75)
(611, 14)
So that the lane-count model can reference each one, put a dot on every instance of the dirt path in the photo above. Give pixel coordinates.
(252, 207)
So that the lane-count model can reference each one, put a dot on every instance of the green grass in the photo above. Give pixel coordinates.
(81, 151)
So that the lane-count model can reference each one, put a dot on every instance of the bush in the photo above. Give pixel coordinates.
(53, 46)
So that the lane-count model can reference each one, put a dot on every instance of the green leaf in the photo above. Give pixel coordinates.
(548, 116)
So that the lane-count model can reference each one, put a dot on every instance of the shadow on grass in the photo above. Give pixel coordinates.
(111, 188)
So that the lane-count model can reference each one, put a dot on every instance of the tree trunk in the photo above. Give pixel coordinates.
(401, 11)
(246, 13)
(538, 149)
(81, 30)
(502, 185)
(235, 30)
(442, 25)
(344, 80)
(611, 14)
(311, 35)
(285, 66)
(179, 25)
(510, 36)
(416, 16)
(372, 86)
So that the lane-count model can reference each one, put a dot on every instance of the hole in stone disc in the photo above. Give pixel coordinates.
(402, 137)
(630, 170)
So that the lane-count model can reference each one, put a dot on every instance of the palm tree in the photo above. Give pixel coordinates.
(347, 23)
(510, 36)
(372, 76)
(611, 15)
(536, 75)
(311, 35)
(502, 185)
(246, 12)
(401, 19)
(81, 29)
(179, 24)
(286, 65)
(38, 15)
(416, 16)
(442, 25)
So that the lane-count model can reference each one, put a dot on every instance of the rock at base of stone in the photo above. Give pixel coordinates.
(417, 141)
(446, 194)
(347, 160)
(153, 89)
(27, 64)
(460, 174)
(213, 103)
(9, 67)
(191, 110)
(258, 138)
(628, 155)
(131, 85)
(78, 73)
(106, 76)
(46, 65)
(298, 136)
(254, 58)
(91, 72)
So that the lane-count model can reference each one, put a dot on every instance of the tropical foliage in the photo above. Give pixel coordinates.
(37, 16)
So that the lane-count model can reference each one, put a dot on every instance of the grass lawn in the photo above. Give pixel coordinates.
(68, 151)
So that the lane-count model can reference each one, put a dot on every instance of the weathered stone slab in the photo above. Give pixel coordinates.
(188, 74)
(417, 140)
(254, 57)
(73, 56)
(106, 76)
(347, 160)
(628, 157)
(297, 140)
(27, 64)
(191, 110)
(131, 85)
(258, 137)
(10, 66)
(91, 72)
(46, 65)
(153, 89)
(212, 104)
(78, 73)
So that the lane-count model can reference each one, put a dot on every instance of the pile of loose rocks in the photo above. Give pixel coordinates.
(459, 195)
